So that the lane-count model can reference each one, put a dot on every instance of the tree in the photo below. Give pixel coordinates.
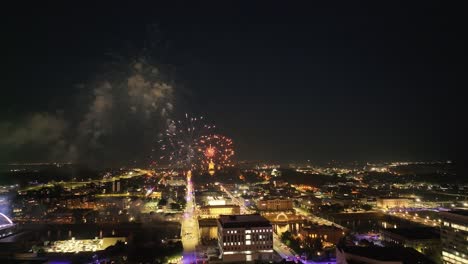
(286, 236)
(175, 206)
(312, 245)
(162, 202)
(366, 207)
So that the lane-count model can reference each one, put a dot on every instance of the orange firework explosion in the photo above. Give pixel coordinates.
(216, 148)
(210, 152)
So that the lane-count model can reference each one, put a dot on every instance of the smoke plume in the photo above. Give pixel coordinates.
(125, 109)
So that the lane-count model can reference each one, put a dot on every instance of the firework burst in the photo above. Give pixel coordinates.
(180, 143)
(217, 149)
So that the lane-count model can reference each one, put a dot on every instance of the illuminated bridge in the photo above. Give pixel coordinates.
(7, 226)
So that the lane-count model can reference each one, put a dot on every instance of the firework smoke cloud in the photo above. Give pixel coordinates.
(126, 106)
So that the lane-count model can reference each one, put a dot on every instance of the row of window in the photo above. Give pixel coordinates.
(232, 238)
(258, 231)
(261, 247)
(250, 231)
(456, 226)
(451, 258)
(246, 243)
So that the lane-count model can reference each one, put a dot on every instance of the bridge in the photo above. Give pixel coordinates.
(6, 226)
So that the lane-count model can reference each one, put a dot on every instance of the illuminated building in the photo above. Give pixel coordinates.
(115, 186)
(83, 245)
(245, 238)
(176, 181)
(155, 195)
(214, 211)
(331, 234)
(379, 255)
(424, 239)
(393, 202)
(310, 202)
(275, 205)
(275, 173)
(454, 236)
(213, 200)
(211, 168)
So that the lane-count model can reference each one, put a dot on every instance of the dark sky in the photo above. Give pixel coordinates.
(328, 80)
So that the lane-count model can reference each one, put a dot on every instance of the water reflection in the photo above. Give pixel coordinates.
(280, 229)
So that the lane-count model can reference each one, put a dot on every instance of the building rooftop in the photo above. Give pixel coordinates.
(321, 227)
(403, 254)
(239, 221)
(459, 212)
(456, 215)
(221, 206)
(415, 233)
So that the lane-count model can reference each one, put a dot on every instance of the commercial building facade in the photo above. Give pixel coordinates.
(393, 202)
(275, 205)
(214, 211)
(330, 234)
(423, 239)
(454, 236)
(245, 238)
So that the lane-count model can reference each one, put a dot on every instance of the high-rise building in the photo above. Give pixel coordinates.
(245, 238)
(454, 236)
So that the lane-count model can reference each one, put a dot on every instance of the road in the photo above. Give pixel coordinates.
(280, 248)
(243, 208)
(414, 217)
(189, 225)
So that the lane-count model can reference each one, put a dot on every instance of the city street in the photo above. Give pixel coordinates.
(280, 248)
(189, 225)
(414, 217)
(243, 208)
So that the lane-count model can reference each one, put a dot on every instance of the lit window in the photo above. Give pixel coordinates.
(247, 242)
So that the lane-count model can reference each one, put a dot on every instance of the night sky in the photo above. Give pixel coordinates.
(328, 80)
